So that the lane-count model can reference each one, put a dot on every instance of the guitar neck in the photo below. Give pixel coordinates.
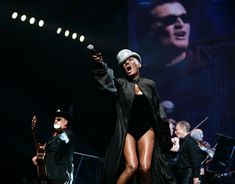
(38, 144)
(40, 149)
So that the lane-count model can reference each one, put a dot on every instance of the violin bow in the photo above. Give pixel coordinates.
(200, 123)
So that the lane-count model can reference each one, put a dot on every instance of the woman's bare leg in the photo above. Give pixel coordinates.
(145, 147)
(131, 160)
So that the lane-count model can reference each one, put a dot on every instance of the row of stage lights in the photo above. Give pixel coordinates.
(41, 23)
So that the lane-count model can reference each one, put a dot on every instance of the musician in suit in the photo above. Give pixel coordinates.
(172, 155)
(189, 155)
(59, 151)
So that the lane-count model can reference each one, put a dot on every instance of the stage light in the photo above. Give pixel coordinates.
(23, 18)
(58, 31)
(74, 36)
(66, 33)
(41, 23)
(32, 20)
(14, 15)
(82, 38)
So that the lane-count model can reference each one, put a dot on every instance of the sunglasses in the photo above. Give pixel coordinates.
(171, 19)
(58, 119)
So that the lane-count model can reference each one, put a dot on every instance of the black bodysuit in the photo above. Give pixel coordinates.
(140, 120)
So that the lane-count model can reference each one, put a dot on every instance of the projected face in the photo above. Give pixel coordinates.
(171, 25)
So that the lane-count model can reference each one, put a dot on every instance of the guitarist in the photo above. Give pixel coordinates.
(59, 151)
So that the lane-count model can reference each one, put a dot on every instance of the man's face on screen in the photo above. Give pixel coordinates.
(171, 25)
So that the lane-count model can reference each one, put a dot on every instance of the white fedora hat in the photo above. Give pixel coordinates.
(124, 54)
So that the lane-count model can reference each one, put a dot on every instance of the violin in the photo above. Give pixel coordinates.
(205, 146)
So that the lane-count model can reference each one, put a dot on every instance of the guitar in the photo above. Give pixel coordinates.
(40, 149)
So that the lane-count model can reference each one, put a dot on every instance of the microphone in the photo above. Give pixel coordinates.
(92, 50)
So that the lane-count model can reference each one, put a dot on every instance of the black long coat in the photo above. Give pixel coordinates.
(123, 90)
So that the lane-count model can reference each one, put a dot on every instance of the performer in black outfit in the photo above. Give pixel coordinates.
(133, 154)
(189, 155)
(59, 151)
(172, 156)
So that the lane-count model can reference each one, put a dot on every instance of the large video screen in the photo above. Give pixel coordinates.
(187, 48)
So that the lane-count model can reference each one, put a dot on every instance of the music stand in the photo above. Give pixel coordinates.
(98, 168)
(223, 160)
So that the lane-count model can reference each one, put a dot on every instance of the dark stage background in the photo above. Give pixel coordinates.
(41, 70)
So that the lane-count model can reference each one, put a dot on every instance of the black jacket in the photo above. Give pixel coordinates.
(189, 156)
(59, 157)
